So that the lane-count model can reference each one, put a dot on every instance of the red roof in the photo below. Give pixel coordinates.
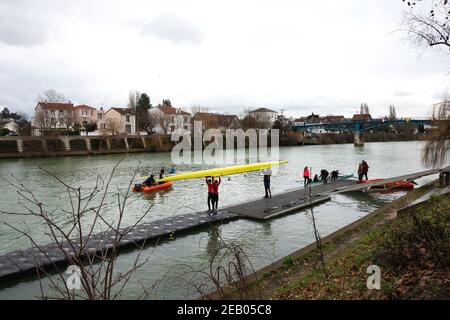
(172, 110)
(362, 117)
(83, 106)
(55, 105)
(123, 111)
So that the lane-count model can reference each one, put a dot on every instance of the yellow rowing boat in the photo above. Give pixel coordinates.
(216, 172)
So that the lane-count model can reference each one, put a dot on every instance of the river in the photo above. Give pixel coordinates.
(263, 242)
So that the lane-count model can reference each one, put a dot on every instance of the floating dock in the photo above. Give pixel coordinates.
(25, 261)
(19, 262)
(289, 201)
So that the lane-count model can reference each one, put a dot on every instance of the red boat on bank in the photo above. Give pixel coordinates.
(401, 184)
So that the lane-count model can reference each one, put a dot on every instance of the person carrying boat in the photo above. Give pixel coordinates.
(209, 183)
(267, 173)
(215, 202)
(306, 177)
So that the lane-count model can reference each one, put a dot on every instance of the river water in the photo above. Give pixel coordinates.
(166, 273)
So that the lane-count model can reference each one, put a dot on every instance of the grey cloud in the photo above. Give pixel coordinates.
(19, 27)
(174, 28)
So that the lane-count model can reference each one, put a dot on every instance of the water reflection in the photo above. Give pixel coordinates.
(263, 241)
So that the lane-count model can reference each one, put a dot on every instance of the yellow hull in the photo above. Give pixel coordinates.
(216, 172)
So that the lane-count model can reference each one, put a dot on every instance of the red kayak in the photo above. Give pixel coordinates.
(401, 184)
(158, 187)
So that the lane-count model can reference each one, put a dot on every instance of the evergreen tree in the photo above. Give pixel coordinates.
(5, 113)
(142, 108)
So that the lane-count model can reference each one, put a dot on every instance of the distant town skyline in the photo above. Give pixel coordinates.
(325, 57)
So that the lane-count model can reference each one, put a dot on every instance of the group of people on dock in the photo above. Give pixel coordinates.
(324, 174)
(213, 183)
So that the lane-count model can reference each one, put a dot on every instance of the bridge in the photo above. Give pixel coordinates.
(358, 127)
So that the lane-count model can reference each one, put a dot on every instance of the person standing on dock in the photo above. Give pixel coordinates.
(215, 202)
(365, 168)
(360, 172)
(209, 183)
(306, 177)
(267, 173)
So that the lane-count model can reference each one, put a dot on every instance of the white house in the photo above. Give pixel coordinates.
(120, 120)
(168, 120)
(51, 116)
(264, 115)
(11, 126)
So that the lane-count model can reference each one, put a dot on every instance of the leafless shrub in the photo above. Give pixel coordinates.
(317, 236)
(436, 148)
(76, 239)
(228, 274)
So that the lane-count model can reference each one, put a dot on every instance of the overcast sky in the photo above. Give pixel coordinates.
(301, 56)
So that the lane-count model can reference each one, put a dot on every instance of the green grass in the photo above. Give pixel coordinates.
(412, 252)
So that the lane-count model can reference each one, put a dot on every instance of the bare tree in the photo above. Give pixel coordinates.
(42, 120)
(152, 122)
(392, 112)
(113, 125)
(164, 122)
(51, 95)
(428, 27)
(437, 147)
(92, 255)
(198, 109)
(133, 98)
(250, 122)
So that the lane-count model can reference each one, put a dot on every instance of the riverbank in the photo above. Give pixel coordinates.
(411, 268)
(33, 147)
(37, 147)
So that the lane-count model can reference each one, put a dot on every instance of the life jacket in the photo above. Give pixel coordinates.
(306, 172)
(210, 187)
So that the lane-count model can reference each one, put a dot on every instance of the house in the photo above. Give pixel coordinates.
(168, 120)
(333, 119)
(217, 121)
(264, 115)
(53, 115)
(12, 126)
(101, 120)
(84, 114)
(120, 120)
(362, 117)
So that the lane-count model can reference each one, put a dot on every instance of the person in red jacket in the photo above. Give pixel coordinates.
(215, 201)
(210, 193)
(365, 169)
(306, 177)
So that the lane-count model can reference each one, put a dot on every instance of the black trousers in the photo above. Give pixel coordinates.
(215, 200)
(210, 200)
